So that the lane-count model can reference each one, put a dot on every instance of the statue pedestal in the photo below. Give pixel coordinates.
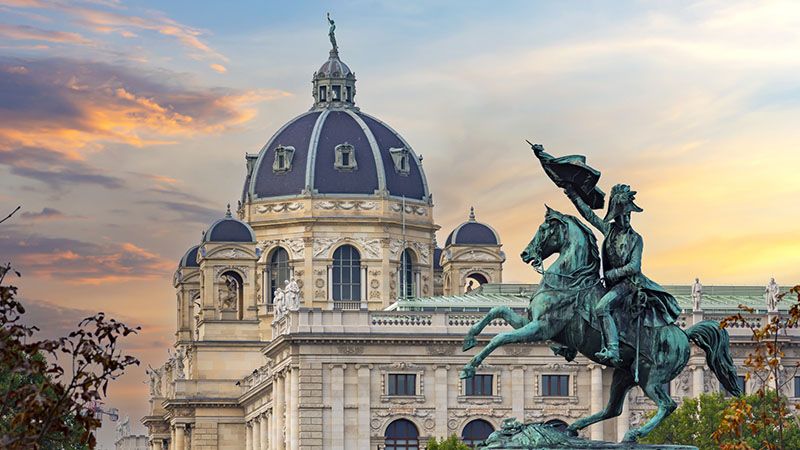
(541, 436)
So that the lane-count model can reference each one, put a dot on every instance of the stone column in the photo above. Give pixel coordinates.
(294, 412)
(172, 438)
(264, 431)
(156, 445)
(256, 430)
(337, 406)
(518, 393)
(624, 419)
(180, 442)
(441, 401)
(596, 399)
(278, 407)
(248, 437)
(363, 406)
(697, 380)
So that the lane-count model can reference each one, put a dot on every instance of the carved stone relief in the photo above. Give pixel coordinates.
(294, 245)
(280, 207)
(410, 209)
(346, 205)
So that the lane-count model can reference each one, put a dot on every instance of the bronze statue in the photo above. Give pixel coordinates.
(332, 34)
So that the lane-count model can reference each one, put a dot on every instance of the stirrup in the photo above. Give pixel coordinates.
(610, 354)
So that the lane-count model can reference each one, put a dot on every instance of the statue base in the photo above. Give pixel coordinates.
(515, 435)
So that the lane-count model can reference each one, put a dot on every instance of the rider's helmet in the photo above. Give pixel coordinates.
(621, 202)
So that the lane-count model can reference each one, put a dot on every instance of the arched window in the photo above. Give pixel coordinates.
(231, 293)
(346, 274)
(407, 274)
(473, 281)
(401, 434)
(278, 271)
(476, 432)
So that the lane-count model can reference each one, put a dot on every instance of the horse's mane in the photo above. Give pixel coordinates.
(594, 251)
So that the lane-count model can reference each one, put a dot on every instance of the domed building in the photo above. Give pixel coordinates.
(322, 314)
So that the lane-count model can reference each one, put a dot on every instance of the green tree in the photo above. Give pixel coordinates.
(451, 443)
(697, 420)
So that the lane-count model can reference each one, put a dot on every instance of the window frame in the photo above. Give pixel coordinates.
(408, 379)
(348, 272)
(470, 383)
(345, 149)
(545, 386)
(283, 154)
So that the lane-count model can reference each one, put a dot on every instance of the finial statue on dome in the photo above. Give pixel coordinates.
(332, 34)
(228, 212)
(472, 214)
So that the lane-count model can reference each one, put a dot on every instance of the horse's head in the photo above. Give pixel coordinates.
(549, 238)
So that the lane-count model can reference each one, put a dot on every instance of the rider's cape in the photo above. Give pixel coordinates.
(661, 308)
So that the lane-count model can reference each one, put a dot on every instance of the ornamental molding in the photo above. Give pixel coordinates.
(518, 349)
(230, 253)
(280, 207)
(346, 205)
(409, 209)
(381, 416)
(440, 349)
(472, 255)
(351, 350)
(295, 246)
(370, 248)
(241, 270)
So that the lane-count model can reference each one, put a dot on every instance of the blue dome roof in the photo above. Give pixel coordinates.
(473, 232)
(229, 229)
(190, 258)
(313, 138)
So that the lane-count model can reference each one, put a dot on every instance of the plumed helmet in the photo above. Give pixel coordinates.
(621, 202)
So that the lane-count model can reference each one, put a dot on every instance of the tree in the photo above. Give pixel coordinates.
(697, 420)
(769, 418)
(451, 443)
(48, 387)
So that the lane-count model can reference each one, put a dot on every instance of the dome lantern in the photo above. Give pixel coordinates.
(334, 83)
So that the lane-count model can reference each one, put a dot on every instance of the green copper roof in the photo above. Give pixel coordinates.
(715, 298)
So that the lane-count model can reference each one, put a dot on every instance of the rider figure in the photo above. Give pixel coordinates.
(622, 263)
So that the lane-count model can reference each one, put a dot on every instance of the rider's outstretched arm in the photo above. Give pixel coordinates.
(586, 212)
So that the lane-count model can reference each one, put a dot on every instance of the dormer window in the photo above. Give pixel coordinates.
(345, 157)
(400, 157)
(323, 93)
(283, 159)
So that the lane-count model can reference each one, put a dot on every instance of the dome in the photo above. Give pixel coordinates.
(311, 145)
(190, 258)
(335, 149)
(229, 229)
(473, 232)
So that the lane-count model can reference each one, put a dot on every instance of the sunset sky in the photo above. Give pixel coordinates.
(123, 129)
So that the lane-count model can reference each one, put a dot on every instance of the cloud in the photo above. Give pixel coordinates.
(56, 112)
(29, 33)
(218, 67)
(45, 215)
(80, 262)
(53, 168)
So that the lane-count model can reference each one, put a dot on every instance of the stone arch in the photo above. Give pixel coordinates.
(476, 430)
(277, 269)
(402, 433)
(231, 291)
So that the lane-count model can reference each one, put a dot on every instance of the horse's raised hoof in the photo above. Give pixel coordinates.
(466, 372)
(571, 432)
(632, 436)
(469, 342)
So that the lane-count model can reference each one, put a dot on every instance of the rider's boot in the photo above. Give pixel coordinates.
(610, 353)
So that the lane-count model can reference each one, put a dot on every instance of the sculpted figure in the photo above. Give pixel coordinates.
(771, 292)
(697, 294)
(229, 293)
(622, 268)
(292, 295)
(180, 373)
(155, 382)
(332, 33)
(278, 303)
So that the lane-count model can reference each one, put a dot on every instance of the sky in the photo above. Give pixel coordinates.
(124, 125)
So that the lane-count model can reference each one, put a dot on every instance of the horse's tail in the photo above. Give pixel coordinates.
(714, 340)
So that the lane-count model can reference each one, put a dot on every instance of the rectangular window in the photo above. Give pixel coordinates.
(555, 385)
(479, 385)
(322, 92)
(797, 386)
(402, 384)
(337, 93)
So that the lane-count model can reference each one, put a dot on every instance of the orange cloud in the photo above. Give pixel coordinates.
(218, 67)
(25, 32)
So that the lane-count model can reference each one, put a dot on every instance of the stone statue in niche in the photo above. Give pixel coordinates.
(771, 292)
(228, 293)
(697, 294)
(180, 369)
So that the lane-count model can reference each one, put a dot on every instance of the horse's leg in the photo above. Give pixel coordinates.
(621, 383)
(533, 331)
(508, 314)
(665, 403)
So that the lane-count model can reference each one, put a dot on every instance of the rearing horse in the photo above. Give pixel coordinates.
(560, 311)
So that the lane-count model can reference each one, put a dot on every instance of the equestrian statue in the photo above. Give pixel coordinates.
(604, 308)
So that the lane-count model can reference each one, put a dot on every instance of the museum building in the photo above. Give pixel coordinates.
(321, 314)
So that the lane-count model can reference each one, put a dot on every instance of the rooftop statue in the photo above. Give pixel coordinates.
(623, 320)
(771, 292)
(697, 295)
(332, 34)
